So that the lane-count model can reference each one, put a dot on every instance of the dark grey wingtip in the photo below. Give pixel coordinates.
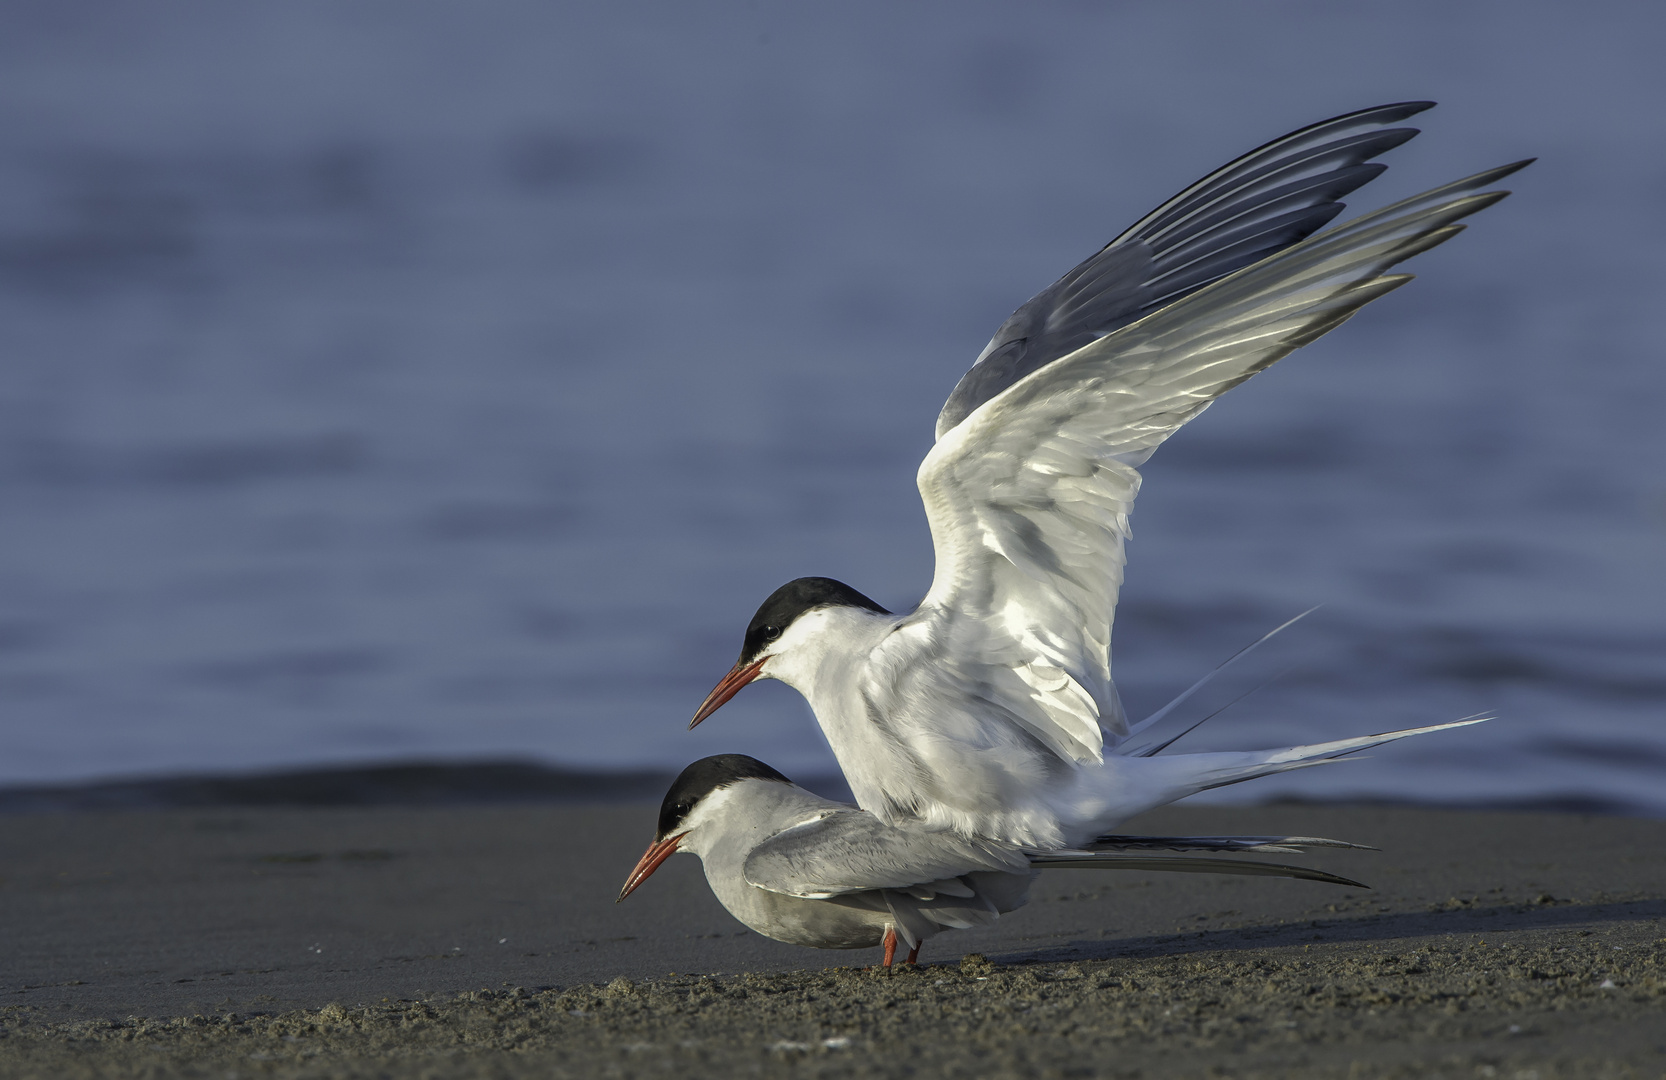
(1332, 879)
(1212, 228)
(1391, 113)
(1185, 864)
(1515, 166)
(1399, 110)
(1490, 176)
(1121, 842)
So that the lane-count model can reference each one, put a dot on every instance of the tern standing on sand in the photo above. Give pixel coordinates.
(809, 871)
(989, 709)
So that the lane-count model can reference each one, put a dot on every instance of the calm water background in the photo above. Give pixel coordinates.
(401, 380)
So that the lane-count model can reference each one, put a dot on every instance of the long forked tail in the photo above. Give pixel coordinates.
(1234, 768)
(1145, 783)
(1132, 785)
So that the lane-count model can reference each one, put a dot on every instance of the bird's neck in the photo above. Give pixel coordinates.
(828, 663)
(831, 669)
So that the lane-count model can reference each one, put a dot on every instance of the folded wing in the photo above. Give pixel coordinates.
(849, 851)
(853, 851)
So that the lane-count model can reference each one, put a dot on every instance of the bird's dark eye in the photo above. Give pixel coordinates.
(771, 633)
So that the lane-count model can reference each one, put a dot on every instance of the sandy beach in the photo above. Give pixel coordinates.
(485, 942)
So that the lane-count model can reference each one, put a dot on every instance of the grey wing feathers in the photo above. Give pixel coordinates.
(1261, 203)
(1085, 860)
(853, 851)
(1284, 844)
(1170, 366)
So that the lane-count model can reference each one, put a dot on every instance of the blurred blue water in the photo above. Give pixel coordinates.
(404, 380)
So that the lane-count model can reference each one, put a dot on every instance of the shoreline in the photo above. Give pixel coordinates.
(484, 941)
(426, 783)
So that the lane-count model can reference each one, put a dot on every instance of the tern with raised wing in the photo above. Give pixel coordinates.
(990, 709)
(810, 871)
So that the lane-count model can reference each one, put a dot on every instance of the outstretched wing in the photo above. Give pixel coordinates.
(1270, 198)
(1028, 498)
(852, 851)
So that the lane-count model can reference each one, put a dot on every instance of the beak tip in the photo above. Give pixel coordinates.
(657, 852)
(728, 687)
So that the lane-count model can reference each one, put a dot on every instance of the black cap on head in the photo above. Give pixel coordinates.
(704, 777)
(792, 600)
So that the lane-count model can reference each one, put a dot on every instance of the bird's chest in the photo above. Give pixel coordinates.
(817, 924)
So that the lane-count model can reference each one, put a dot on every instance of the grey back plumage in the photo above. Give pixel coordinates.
(849, 850)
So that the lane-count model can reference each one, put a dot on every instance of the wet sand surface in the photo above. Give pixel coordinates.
(485, 942)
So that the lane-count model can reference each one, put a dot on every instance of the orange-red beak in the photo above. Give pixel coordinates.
(657, 852)
(738, 676)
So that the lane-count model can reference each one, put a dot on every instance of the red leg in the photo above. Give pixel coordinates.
(890, 947)
(913, 955)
